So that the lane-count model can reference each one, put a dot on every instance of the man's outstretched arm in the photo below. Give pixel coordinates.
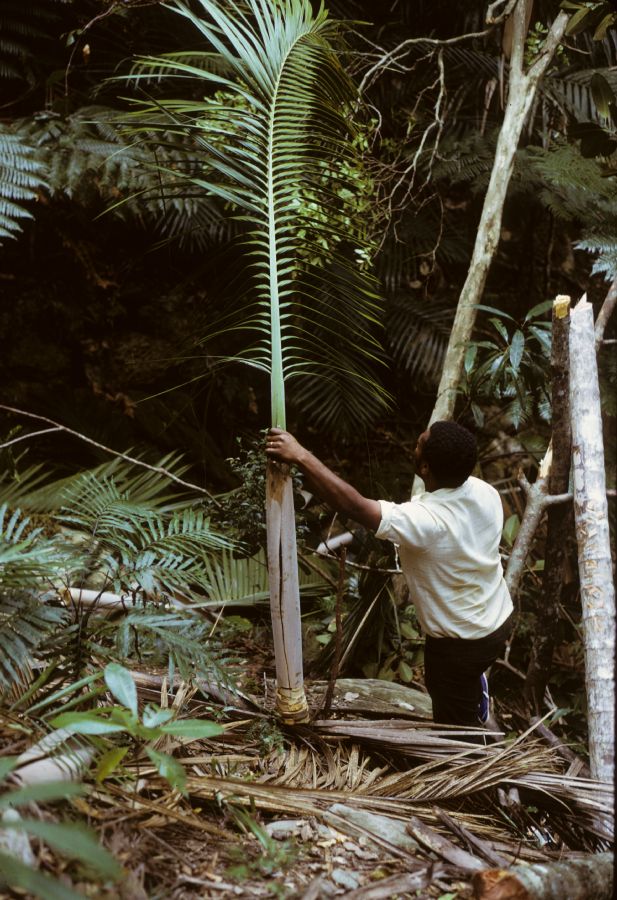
(342, 497)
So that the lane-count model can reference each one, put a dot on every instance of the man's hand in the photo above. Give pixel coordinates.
(283, 446)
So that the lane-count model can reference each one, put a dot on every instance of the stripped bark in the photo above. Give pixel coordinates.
(592, 535)
(558, 515)
(284, 594)
(522, 88)
(577, 879)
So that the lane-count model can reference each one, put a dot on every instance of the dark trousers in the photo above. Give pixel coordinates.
(452, 669)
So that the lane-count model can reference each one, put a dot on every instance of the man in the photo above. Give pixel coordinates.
(448, 540)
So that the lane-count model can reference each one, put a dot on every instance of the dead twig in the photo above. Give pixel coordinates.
(82, 437)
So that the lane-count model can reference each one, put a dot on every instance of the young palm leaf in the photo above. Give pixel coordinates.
(275, 142)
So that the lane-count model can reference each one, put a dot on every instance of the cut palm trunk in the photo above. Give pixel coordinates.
(592, 536)
(284, 594)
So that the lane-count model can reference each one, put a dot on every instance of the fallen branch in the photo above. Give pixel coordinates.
(440, 845)
(486, 852)
(583, 879)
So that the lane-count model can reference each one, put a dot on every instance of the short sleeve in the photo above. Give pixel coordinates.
(411, 524)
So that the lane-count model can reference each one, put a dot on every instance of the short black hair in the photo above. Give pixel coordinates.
(451, 452)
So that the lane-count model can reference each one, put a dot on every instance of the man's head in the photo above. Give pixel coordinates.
(446, 453)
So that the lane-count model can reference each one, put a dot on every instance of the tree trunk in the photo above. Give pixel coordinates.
(578, 879)
(592, 535)
(558, 516)
(521, 92)
(284, 594)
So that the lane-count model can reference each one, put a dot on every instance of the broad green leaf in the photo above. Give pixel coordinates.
(510, 529)
(192, 728)
(17, 875)
(75, 841)
(543, 336)
(494, 310)
(600, 32)
(405, 671)
(577, 22)
(7, 764)
(470, 357)
(153, 717)
(41, 793)
(109, 762)
(86, 723)
(408, 631)
(538, 309)
(169, 768)
(501, 329)
(516, 350)
(120, 682)
(478, 414)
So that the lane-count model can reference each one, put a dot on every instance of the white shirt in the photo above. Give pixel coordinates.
(449, 550)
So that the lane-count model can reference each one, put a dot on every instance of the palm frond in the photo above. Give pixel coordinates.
(243, 582)
(418, 332)
(37, 491)
(25, 558)
(179, 639)
(274, 141)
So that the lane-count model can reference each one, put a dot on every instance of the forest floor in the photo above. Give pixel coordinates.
(371, 801)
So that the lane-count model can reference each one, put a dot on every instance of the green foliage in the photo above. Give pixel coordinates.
(511, 366)
(27, 562)
(155, 723)
(115, 531)
(72, 840)
(22, 176)
(87, 157)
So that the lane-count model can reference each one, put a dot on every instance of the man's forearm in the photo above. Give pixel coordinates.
(334, 490)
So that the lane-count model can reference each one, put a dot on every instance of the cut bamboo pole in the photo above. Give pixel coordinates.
(592, 535)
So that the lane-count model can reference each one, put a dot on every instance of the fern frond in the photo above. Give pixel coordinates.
(21, 177)
(183, 639)
(25, 558)
(25, 623)
(88, 157)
